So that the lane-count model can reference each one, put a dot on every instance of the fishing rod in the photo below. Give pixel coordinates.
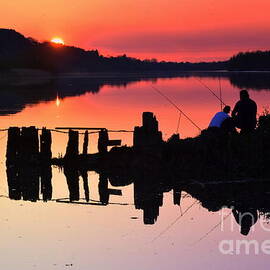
(178, 122)
(219, 98)
(220, 94)
(174, 105)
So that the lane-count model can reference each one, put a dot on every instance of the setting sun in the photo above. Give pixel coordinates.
(57, 40)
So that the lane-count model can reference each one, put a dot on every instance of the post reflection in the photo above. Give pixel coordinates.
(29, 184)
(32, 185)
(154, 167)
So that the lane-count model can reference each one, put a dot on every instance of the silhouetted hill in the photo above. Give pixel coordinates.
(12, 41)
(258, 60)
(14, 49)
(17, 51)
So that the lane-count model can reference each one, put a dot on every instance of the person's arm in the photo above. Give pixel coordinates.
(255, 108)
(235, 110)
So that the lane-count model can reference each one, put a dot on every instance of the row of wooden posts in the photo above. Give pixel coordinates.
(25, 145)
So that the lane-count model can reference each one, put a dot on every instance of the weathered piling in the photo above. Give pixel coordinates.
(13, 148)
(29, 161)
(45, 146)
(148, 134)
(85, 143)
(72, 150)
(28, 169)
(46, 170)
(29, 146)
(103, 141)
(13, 145)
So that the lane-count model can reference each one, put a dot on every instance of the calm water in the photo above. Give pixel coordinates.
(55, 235)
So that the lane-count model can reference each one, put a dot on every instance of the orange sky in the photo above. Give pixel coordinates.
(188, 30)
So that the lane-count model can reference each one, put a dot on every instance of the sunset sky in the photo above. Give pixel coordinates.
(179, 30)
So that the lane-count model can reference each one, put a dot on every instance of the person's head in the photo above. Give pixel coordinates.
(244, 94)
(227, 109)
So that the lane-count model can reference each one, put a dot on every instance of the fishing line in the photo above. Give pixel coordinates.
(202, 83)
(174, 222)
(211, 230)
(3, 137)
(181, 210)
(172, 103)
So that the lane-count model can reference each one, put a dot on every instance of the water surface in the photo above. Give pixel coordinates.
(57, 235)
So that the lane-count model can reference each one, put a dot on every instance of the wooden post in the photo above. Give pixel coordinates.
(13, 145)
(85, 143)
(28, 163)
(29, 149)
(72, 150)
(148, 135)
(46, 170)
(45, 146)
(103, 141)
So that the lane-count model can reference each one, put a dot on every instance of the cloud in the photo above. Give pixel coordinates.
(176, 42)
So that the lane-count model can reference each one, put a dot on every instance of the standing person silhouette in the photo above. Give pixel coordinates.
(244, 113)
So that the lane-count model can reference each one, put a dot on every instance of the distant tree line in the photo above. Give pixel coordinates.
(16, 51)
(258, 60)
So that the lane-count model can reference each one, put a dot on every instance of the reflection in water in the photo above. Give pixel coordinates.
(57, 102)
(246, 218)
(246, 199)
(72, 177)
(103, 189)
(150, 185)
(85, 184)
(28, 171)
(26, 182)
(154, 167)
(13, 99)
(149, 198)
(251, 80)
(46, 183)
(177, 192)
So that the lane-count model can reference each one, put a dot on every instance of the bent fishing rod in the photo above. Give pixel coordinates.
(175, 106)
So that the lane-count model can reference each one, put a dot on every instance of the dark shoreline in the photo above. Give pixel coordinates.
(8, 76)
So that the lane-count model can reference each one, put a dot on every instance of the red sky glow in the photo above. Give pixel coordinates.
(178, 30)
